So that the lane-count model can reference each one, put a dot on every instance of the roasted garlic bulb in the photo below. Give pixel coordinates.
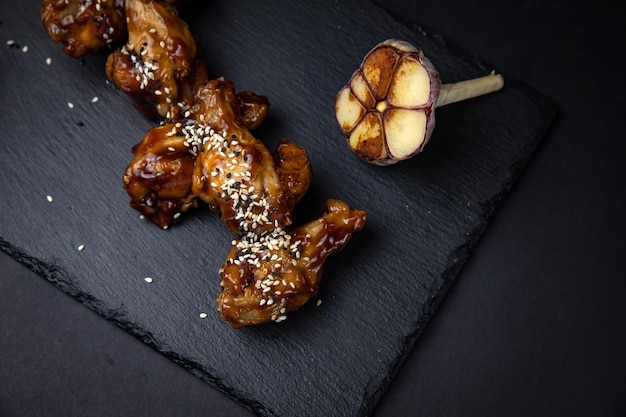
(387, 109)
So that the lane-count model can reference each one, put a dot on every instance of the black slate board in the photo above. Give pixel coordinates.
(425, 215)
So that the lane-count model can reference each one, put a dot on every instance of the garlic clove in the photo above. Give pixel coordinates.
(410, 86)
(378, 70)
(368, 138)
(405, 131)
(348, 110)
(362, 91)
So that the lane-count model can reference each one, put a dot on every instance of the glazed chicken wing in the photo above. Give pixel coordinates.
(160, 66)
(266, 276)
(84, 26)
(158, 179)
(235, 173)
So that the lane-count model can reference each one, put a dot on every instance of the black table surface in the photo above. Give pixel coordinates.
(535, 323)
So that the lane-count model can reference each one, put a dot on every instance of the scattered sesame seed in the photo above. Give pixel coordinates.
(95, 99)
(144, 68)
(70, 104)
(25, 48)
(48, 61)
(203, 315)
(11, 42)
(81, 247)
(49, 198)
(319, 302)
(148, 280)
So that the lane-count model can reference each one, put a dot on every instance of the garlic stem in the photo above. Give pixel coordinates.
(463, 90)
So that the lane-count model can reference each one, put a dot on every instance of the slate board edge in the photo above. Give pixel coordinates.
(64, 282)
(550, 109)
(61, 280)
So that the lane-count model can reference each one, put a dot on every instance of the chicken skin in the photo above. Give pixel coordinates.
(181, 163)
(268, 275)
(84, 26)
(158, 178)
(160, 66)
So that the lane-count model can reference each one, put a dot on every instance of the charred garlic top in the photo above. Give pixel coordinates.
(387, 109)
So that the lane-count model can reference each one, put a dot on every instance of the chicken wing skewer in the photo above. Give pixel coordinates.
(266, 276)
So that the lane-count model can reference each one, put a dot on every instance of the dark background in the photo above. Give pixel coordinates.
(533, 326)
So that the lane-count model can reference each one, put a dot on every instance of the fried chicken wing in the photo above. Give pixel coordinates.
(266, 276)
(236, 174)
(160, 66)
(84, 26)
(203, 152)
(158, 179)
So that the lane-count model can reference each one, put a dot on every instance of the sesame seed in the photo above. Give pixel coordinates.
(48, 61)
(81, 247)
(70, 104)
(49, 198)
(25, 48)
(319, 302)
(203, 315)
(11, 42)
(95, 100)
